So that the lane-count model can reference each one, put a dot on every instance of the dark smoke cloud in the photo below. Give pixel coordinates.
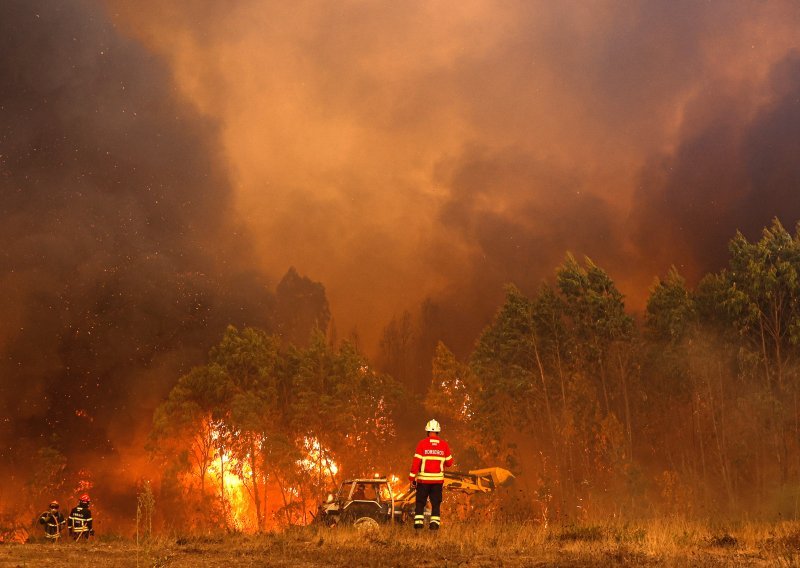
(519, 214)
(732, 171)
(120, 258)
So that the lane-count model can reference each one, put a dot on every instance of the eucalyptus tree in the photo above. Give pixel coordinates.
(186, 425)
(252, 416)
(761, 290)
(755, 302)
(603, 331)
(452, 398)
(504, 364)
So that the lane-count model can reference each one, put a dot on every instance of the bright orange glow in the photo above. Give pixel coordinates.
(318, 459)
(85, 483)
(394, 483)
(230, 490)
(227, 476)
(229, 487)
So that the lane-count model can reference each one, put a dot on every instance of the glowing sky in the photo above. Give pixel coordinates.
(396, 150)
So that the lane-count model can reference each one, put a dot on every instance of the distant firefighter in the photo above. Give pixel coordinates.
(80, 520)
(53, 522)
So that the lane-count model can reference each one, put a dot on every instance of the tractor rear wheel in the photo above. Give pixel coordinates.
(366, 525)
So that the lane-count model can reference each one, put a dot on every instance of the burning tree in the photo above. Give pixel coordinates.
(258, 422)
(345, 405)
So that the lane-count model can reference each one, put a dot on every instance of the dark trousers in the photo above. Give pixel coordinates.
(425, 491)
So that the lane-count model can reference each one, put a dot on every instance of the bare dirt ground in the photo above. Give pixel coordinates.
(466, 545)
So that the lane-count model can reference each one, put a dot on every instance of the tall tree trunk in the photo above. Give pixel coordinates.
(623, 376)
(256, 494)
(544, 391)
(603, 382)
(698, 428)
(720, 442)
(282, 487)
(764, 355)
(225, 505)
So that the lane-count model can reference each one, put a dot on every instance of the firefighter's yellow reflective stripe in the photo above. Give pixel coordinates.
(412, 475)
(439, 475)
(448, 458)
(419, 517)
(418, 456)
(426, 459)
(435, 518)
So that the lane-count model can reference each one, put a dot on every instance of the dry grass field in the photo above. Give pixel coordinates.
(467, 545)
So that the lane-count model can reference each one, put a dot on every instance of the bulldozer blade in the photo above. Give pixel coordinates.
(498, 475)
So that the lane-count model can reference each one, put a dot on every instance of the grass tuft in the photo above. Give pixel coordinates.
(723, 541)
(575, 533)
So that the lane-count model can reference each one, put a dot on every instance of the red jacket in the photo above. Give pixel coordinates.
(430, 459)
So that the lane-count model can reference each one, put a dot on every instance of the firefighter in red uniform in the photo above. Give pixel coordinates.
(427, 474)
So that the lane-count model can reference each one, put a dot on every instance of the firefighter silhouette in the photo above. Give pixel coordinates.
(53, 522)
(80, 520)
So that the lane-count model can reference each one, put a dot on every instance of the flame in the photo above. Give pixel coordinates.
(230, 490)
(85, 482)
(318, 459)
(229, 487)
(316, 464)
(395, 483)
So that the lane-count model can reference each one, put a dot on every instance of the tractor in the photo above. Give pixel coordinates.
(368, 502)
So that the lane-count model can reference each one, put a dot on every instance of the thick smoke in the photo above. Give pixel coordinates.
(414, 150)
(121, 262)
(733, 170)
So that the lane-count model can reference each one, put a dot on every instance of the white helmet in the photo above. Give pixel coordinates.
(433, 426)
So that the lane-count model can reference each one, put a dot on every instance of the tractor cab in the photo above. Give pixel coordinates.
(362, 502)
